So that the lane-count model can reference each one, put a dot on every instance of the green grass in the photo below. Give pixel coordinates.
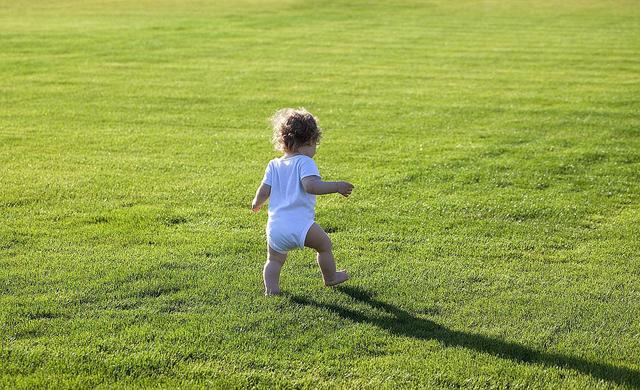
(492, 235)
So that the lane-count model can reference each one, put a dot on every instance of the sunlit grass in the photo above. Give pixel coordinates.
(492, 235)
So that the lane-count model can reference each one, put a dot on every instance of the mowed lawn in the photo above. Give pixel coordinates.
(493, 234)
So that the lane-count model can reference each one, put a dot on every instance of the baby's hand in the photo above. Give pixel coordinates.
(345, 188)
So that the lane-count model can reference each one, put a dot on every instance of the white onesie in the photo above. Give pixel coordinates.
(291, 208)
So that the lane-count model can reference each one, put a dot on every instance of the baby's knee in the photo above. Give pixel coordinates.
(325, 246)
(275, 259)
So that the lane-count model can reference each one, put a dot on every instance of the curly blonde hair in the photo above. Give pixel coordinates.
(293, 128)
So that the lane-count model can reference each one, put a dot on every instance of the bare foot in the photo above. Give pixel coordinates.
(272, 292)
(341, 276)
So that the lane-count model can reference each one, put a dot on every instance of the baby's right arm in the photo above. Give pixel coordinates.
(314, 185)
(262, 194)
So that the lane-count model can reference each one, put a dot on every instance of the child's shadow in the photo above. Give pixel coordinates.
(403, 323)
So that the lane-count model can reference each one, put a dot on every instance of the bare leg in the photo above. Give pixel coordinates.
(271, 271)
(320, 241)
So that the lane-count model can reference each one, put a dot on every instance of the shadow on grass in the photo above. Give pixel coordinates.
(402, 323)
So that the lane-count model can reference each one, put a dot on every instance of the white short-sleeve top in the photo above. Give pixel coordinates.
(288, 200)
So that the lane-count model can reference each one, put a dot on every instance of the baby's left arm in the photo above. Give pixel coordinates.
(262, 194)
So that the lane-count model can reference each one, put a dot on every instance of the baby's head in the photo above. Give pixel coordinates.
(295, 129)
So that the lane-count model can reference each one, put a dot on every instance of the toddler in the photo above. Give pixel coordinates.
(293, 181)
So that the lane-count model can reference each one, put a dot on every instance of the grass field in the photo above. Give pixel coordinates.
(492, 235)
